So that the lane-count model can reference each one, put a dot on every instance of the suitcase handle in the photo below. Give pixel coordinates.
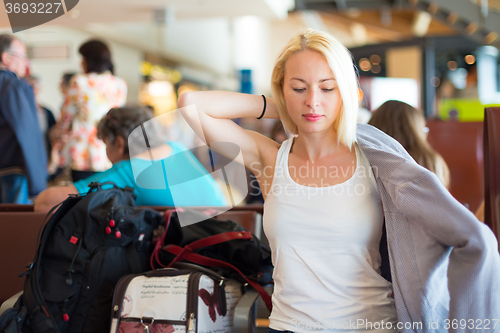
(197, 268)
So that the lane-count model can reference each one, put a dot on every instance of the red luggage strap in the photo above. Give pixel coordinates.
(186, 253)
(219, 238)
(156, 251)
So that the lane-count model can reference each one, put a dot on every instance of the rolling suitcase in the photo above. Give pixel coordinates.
(191, 299)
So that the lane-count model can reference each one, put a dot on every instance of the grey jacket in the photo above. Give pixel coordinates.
(444, 263)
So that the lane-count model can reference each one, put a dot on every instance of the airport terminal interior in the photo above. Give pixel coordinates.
(105, 78)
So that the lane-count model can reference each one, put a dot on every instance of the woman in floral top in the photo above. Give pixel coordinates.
(89, 98)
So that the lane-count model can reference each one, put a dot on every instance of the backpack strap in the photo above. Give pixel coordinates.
(133, 259)
(98, 186)
(32, 296)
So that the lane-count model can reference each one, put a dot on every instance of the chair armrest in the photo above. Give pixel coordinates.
(9, 303)
(245, 312)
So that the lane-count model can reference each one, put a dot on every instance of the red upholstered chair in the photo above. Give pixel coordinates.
(461, 145)
(18, 236)
(16, 208)
(492, 169)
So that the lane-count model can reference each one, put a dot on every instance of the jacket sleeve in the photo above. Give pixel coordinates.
(19, 108)
(474, 262)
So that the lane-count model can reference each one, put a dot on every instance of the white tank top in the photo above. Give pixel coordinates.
(325, 250)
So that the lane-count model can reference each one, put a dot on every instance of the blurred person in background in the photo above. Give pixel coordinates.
(56, 172)
(406, 124)
(195, 186)
(45, 117)
(23, 162)
(89, 98)
(64, 84)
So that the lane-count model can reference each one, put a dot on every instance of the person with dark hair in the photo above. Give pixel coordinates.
(89, 97)
(23, 162)
(64, 85)
(406, 124)
(96, 57)
(126, 149)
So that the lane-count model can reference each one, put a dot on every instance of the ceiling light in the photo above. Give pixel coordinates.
(365, 64)
(375, 59)
(491, 37)
(470, 59)
(359, 33)
(421, 23)
(452, 18)
(433, 8)
(471, 28)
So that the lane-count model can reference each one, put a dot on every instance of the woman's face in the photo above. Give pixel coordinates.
(311, 92)
(114, 149)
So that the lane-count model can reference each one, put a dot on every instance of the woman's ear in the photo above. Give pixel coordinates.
(120, 145)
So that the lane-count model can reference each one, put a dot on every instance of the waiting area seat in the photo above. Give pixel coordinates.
(19, 233)
(18, 237)
(492, 168)
(16, 208)
(461, 145)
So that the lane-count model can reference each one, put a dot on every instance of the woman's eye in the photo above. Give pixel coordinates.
(298, 89)
(327, 90)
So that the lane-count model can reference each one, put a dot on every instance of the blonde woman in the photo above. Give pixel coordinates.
(330, 189)
(407, 125)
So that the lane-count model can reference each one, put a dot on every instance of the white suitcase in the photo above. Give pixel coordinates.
(171, 300)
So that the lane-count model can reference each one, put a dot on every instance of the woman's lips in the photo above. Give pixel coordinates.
(312, 117)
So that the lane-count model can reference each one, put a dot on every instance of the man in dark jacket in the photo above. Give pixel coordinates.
(23, 161)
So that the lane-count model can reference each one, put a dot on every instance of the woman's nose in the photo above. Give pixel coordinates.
(313, 98)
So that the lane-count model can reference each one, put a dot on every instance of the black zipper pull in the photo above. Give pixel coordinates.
(69, 279)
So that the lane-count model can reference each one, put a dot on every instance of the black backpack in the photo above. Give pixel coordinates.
(88, 244)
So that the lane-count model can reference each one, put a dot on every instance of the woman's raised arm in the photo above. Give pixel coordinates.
(209, 114)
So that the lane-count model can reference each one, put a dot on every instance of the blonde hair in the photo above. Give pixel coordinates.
(340, 61)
